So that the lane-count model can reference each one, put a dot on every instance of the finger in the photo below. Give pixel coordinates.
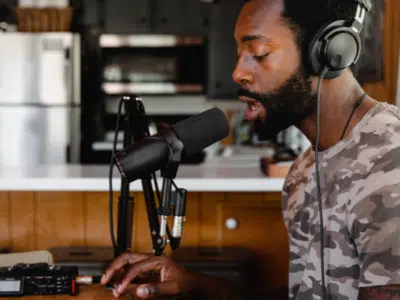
(123, 260)
(146, 265)
(120, 262)
(145, 277)
(130, 289)
(117, 277)
(115, 294)
(147, 291)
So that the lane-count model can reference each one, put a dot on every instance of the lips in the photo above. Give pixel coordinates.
(254, 108)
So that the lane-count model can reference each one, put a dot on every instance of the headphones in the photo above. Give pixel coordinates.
(337, 45)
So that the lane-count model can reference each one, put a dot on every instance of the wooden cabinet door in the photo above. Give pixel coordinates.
(384, 24)
(252, 221)
(5, 237)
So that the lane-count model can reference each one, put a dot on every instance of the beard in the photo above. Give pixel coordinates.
(285, 106)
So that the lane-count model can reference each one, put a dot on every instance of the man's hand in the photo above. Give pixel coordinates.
(173, 279)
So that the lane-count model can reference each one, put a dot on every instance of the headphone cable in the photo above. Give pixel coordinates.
(321, 222)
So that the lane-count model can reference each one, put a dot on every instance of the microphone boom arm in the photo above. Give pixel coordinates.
(178, 199)
(136, 128)
(160, 233)
(157, 242)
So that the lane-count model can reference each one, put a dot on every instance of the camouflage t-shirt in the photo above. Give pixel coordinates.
(360, 192)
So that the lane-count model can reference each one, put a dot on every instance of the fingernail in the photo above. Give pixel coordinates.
(115, 294)
(103, 278)
(119, 288)
(143, 291)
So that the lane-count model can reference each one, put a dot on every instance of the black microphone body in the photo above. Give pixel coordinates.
(163, 151)
(187, 137)
(145, 156)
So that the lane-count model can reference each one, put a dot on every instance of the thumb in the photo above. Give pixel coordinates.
(146, 291)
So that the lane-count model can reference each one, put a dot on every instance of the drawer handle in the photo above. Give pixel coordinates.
(231, 224)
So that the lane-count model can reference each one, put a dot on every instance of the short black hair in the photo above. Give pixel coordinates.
(306, 17)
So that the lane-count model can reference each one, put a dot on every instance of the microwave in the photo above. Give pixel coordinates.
(152, 64)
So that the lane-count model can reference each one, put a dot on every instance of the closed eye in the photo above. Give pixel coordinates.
(260, 58)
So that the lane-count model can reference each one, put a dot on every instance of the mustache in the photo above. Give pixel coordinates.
(249, 94)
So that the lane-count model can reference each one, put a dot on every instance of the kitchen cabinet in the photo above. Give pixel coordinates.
(154, 16)
(6, 11)
(222, 49)
(250, 221)
(91, 12)
(11, 3)
(181, 17)
(126, 16)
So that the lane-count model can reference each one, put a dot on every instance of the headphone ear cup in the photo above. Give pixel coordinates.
(336, 47)
(342, 50)
(314, 51)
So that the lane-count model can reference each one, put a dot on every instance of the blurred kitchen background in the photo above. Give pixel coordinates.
(65, 64)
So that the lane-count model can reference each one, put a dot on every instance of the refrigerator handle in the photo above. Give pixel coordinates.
(67, 74)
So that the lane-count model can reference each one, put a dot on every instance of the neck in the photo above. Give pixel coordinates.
(338, 98)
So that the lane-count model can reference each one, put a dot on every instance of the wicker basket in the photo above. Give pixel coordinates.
(44, 19)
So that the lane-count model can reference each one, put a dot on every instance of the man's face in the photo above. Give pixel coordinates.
(273, 83)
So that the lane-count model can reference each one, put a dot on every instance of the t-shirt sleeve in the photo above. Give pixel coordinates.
(374, 220)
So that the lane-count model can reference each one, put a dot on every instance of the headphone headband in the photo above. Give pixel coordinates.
(366, 4)
(358, 20)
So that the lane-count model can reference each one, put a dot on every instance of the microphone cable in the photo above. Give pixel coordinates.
(110, 177)
(321, 218)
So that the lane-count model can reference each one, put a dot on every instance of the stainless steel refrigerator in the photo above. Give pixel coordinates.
(39, 98)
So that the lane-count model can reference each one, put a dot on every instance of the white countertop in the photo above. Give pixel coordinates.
(218, 175)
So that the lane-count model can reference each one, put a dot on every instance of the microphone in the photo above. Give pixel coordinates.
(186, 137)
(163, 152)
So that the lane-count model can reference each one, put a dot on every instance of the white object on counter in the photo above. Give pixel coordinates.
(27, 3)
(52, 3)
(43, 3)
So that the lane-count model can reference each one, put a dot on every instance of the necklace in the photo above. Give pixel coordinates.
(358, 102)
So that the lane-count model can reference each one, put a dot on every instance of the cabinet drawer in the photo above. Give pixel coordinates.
(252, 221)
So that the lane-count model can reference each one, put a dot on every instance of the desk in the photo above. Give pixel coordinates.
(86, 292)
(91, 292)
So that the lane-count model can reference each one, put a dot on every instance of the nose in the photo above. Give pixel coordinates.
(242, 73)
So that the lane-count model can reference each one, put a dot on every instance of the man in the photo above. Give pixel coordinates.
(359, 165)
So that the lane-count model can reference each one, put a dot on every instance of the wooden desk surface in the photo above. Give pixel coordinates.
(89, 292)
(86, 292)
